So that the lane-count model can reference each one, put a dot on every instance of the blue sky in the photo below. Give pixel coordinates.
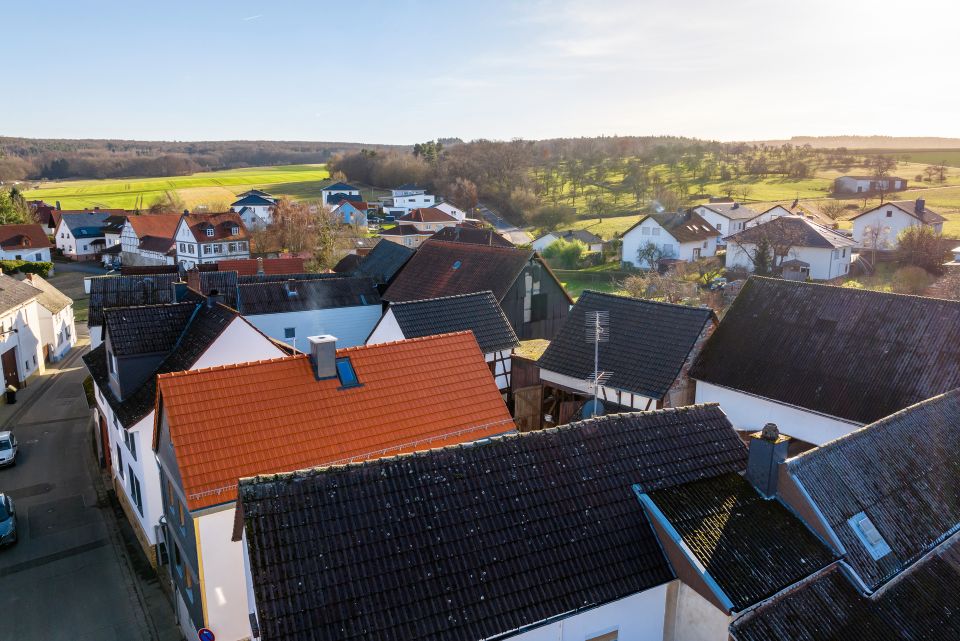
(407, 70)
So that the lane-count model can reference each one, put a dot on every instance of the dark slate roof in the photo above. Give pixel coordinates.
(148, 329)
(794, 230)
(685, 226)
(14, 293)
(855, 354)
(305, 295)
(348, 264)
(196, 337)
(903, 472)
(444, 269)
(731, 211)
(340, 187)
(582, 235)
(253, 200)
(476, 540)
(85, 225)
(752, 547)
(478, 313)
(916, 208)
(921, 605)
(384, 261)
(128, 291)
(649, 342)
(472, 235)
(51, 298)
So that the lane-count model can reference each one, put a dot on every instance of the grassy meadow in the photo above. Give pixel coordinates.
(299, 182)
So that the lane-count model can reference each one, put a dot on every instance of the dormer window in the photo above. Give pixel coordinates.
(234, 231)
(209, 232)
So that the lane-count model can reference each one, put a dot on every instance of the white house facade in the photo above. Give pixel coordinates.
(55, 313)
(81, 236)
(880, 227)
(676, 236)
(202, 239)
(868, 184)
(21, 342)
(351, 325)
(726, 218)
(812, 251)
(821, 263)
(24, 242)
(447, 208)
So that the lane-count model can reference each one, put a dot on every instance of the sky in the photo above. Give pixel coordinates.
(403, 71)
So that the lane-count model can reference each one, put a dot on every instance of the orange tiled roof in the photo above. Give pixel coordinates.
(274, 416)
(158, 225)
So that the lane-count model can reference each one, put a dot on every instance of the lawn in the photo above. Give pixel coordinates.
(213, 187)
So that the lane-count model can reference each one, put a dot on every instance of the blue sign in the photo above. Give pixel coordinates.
(206, 634)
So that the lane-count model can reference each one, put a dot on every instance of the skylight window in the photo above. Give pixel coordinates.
(456, 265)
(868, 534)
(346, 373)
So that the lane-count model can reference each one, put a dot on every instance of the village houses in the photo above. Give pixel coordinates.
(209, 238)
(147, 239)
(24, 242)
(255, 208)
(726, 217)
(797, 247)
(593, 242)
(81, 236)
(332, 195)
(417, 226)
(880, 226)
(680, 236)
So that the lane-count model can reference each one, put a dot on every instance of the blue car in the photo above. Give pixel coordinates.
(8, 521)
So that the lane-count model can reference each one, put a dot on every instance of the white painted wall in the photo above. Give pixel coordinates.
(891, 221)
(57, 330)
(750, 413)
(27, 253)
(224, 583)
(71, 246)
(26, 340)
(413, 201)
(387, 330)
(447, 208)
(501, 375)
(544, 241)
(722, 224)
(695, 618)
(825, 263)
(638, 617)
(351, 325)
(650, 231)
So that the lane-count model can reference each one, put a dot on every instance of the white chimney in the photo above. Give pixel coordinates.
(323, 355)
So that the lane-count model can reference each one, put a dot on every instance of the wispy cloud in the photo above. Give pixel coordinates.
(249, 18)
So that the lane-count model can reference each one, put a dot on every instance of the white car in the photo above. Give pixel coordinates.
(8, 449)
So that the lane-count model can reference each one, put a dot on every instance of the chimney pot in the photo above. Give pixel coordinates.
(323, 355)
(921, 203)
(768, 449)
(260, 265)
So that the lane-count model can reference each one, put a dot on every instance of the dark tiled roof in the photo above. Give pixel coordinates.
(85, 225)
(446, 269)
(732, 211)
(478, 313)
(913, 207)
(14, 292)
(794, 231)
(348, 264)
(649, 342)
(23, 237)
(128, 291)
(921, 605)
(222, 224)
(685, 226)
(903, 472)
(253, 200)
(304, 295)
(751, 547)
(582, 235)
(405, 230)
(855, 354)
(148, 329)
(473, 541)
(340, 187)
(204, 328)
(156, 244)
(472, 235)
(384, 261)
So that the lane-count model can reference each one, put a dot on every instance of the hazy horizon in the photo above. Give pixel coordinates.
(410, 71)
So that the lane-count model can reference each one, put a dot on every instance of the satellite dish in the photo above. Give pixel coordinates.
(592, 408)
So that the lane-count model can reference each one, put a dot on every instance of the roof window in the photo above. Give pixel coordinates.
(234, 230)
(868, 534)
(456, 265)
(346, 373)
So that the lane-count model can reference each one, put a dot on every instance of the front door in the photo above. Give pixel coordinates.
(10, 374)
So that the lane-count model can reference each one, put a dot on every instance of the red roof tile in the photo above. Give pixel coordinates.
(23, 237)
(275, 416)
(157, 225)
(222, 225)
(427, 215)
(249, 266)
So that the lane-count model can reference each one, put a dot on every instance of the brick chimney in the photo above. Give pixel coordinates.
(260, 265)
(323, 355)
(768, 449)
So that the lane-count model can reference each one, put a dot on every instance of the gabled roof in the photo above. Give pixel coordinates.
(305, 295)
(916, 208)
(752, 547)
(340, 187)
(685, 226)
(445, 269)
(384, 261)
(156, 244)
(51, 298)
(471, 235)
(495, 536)
(731, 211)
(23, 237)
(360, 205)
(147, 329)
(794, 230)
(14, 293)
(400, 405)
(156, 225)
(253, 200)
(114, 224)
(348, 264)
(427, 215)
(84, 225)
(902, 471)
(649, 342)
(478, 313)
(251, 266)
(127, 291)
(196, 337)
(920, 605)
(858, 355)
(257, 192)
(405, 230)
(222, 225)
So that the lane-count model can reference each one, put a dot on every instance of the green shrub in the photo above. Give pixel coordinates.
(42, 268)
(565, 253)
(911, 280)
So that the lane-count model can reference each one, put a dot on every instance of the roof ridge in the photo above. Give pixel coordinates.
(231, 366)
(418, 339)
(150, 306)
(451, 296)
(541, 433)
(644, 300)
(850, 289)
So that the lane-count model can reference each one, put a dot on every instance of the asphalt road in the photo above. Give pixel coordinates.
(509, 231)
(67, 578)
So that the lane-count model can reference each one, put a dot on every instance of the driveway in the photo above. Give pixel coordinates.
(68, 577)
(509, 231)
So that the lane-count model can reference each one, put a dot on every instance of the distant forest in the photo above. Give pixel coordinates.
(880, 143)
(52, 159)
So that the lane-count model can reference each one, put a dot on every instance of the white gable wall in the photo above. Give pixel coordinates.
(722, 224)
(649, 231)
(387, 330)
(351, 325)
(447, 208)
(825, 263)
(891, 221)
(543, 242)
(224, 583)
(57, 331)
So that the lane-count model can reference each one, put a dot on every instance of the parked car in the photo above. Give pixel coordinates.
(8, 449)
(8, 521)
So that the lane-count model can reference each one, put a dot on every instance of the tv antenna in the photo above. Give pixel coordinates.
(597, 325)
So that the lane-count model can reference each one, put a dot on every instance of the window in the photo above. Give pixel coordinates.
(704, 244)
(234, 231)
(206, 249)
(177, 559)
(844, 252)
(289, 332)
(232, 248)
(644, 231)
(218, 248)
(668, 250)
(539, 307)
(655, 231)
(719, 226)
(85, 247)
(889, 213)
(119, 461)
(183, 247)
(243, 246)
(346, 373)
(132, 444)
(210, 232)
(134, 486)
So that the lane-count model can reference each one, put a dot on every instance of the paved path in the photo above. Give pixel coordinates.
(511, 232)
(69, 577)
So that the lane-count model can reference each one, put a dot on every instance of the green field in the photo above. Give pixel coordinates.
(215, 187)
(950, 157)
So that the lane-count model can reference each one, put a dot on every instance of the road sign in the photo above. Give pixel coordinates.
(206, 634)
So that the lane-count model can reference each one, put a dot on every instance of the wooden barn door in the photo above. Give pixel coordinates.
(526, 407)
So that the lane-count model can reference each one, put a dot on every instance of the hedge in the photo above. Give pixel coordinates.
(26, 267)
